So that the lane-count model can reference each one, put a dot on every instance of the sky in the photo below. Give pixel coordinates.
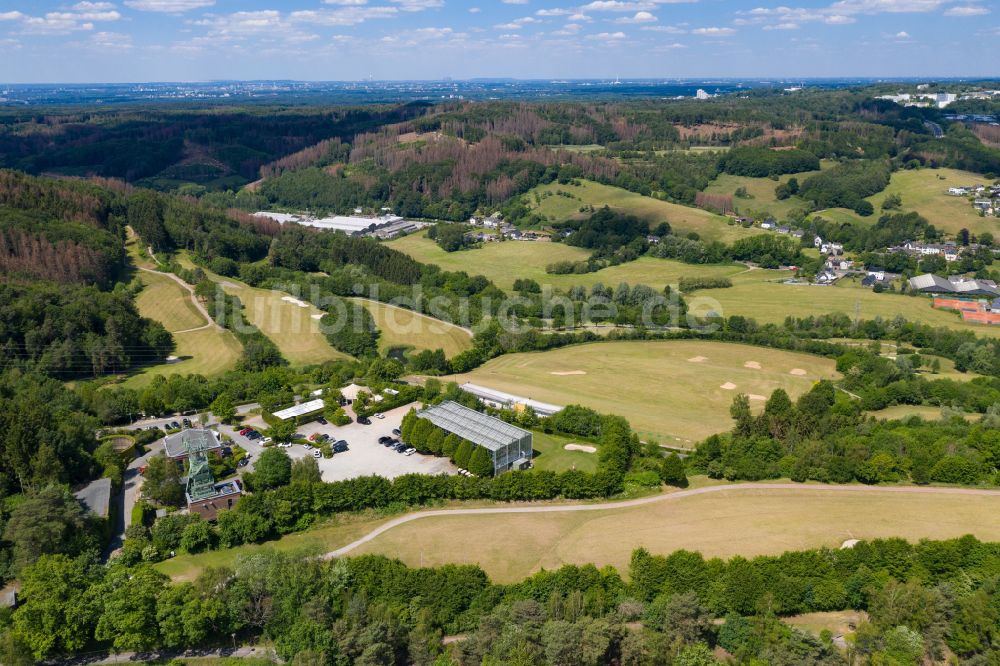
(83, 41)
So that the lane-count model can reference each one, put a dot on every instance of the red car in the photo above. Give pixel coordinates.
(245, 431)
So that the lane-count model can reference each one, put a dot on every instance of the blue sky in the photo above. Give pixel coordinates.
(194, 40)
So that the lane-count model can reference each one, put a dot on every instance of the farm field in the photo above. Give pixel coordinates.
(507, 261)
(404, 328)
(682, 219)
(721, 524)
(677, 392)
(551, 454)
(771, 302)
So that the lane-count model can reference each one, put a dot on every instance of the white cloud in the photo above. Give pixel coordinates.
(668, 29)
(110, 41)
(11, 16)
(168, 6)
(474, 10)
(782, 26)
(516, 24)
(640, 17)
(93, 6)
(607, 36)
(902, 35)
(553, 12)
(346, 3)
(967, 10)
(418, 5)
(515, 2)
(345, 16)
(713, 32)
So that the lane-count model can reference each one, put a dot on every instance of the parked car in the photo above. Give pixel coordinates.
(409, 452)
(266, 441)
(253, 434)
(285, 445)
(340, 447)
(364, 420)
(400, 447)
(322, 421)
(317, 453)
(174, 425)
(322, 437)
(187, 423)
(245, 431)
(312, 437)
(226, 452)
(390, 442)
(243, 462)
(379, 415)
(396, 432)
(308, 447)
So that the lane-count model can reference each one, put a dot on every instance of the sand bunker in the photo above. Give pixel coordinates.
(295, 301)
(581, 447)
(569, 372)
(317, 316)
(697, 359)
(753, 365)
(850, 543)
(798, 372)
(754, 396)
(729, 386)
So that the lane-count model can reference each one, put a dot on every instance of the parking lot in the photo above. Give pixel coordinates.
(365, 456)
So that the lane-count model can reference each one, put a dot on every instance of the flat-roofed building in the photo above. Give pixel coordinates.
(502, 399)
(301, 410)
(508, 445)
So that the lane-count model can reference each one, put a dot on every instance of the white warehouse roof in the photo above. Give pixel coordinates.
(300, 410)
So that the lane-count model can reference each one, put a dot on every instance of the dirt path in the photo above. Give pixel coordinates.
(604, 506)
(194, 299)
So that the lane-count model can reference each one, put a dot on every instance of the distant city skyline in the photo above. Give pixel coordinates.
(331, 40)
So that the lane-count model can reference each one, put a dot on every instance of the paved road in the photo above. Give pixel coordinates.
(604, 506)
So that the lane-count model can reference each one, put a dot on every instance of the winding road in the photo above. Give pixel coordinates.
(666, 497)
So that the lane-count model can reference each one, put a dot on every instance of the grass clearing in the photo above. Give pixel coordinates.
(683, 219)
(551, 454)
(926, 192)
(404, 328)
(761, 191)
(671, 391)
(926, 412)
(738, 522)
(507, 261)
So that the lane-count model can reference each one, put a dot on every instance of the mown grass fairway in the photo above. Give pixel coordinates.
(167, 302)
(207, 351)
(926, 412)
(290, 323)
(682, 219)
(722, 524)
(677, 392)
(404, 328)
(754, 295)
(505, 262)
